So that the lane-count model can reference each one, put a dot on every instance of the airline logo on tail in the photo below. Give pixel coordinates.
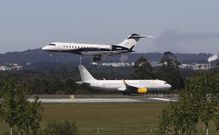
(131, 41)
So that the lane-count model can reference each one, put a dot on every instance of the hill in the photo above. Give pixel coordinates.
(37, 55)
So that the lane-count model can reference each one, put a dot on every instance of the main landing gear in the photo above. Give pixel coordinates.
(97, 58)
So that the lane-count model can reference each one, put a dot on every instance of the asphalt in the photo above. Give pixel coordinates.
(104, 100)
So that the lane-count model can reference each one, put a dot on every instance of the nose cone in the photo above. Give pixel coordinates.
(45, 48)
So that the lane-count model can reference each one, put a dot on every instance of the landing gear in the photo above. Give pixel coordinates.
(126, 93)
(97, 58)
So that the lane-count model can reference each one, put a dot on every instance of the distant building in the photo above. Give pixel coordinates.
(115, 64)
(2, 68)
(9, 67)
(194, 66)
(155, 64)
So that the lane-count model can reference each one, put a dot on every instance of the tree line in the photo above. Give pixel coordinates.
(198, 98)
(62, 80)
(198, 104)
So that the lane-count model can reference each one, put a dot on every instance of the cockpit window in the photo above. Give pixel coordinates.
(52, 44)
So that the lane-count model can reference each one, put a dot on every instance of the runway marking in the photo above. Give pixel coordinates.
(103, 100)
(88, 100)
(163, 99)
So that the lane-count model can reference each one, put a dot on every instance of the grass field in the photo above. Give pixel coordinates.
(108, 119)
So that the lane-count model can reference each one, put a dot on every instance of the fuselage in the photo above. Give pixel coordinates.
(85, 49)
(120, 85)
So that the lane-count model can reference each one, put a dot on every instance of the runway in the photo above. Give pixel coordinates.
(104, 100)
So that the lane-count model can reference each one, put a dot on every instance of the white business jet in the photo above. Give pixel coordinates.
(95, 50)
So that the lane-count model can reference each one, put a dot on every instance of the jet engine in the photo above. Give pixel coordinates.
(142, 90)
(97, 58)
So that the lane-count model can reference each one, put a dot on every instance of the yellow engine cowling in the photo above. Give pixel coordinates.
(142, 90)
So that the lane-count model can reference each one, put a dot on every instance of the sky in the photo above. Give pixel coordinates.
(180, 26)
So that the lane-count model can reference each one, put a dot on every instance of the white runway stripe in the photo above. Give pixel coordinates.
(163, 99)
(88, 100)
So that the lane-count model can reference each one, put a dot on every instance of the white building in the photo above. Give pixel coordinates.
(3, 68)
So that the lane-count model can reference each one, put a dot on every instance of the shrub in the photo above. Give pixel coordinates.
(61, 128)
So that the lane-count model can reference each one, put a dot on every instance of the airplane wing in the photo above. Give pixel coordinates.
(110, 53)
(136, 88)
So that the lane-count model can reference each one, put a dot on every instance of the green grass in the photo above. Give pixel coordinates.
(108, 119)
(117, 119)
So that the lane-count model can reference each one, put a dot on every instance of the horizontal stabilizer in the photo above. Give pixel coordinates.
(136, 36)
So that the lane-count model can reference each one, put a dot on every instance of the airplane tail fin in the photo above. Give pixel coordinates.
(131, 41)
(85, 75)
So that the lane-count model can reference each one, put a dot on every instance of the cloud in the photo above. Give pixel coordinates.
(177, 41)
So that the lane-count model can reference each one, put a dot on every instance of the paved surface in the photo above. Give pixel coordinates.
(164, 99)
(105, 100)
